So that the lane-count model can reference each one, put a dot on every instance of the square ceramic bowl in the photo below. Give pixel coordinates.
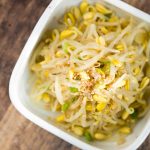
(18, 89)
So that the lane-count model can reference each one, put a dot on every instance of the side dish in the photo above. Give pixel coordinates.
(94, 72)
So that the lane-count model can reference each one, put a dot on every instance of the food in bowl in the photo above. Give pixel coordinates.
(93, 70)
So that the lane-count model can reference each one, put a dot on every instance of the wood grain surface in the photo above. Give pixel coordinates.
(17, 19)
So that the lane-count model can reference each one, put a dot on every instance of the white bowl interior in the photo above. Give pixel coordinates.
(22, 81)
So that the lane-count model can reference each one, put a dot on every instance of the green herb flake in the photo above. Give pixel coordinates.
(134, 115)
(87, 136)
(65, 107)
(73, 89)
(65, 47)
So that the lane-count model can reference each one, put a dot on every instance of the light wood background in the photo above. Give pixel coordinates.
(17, 19)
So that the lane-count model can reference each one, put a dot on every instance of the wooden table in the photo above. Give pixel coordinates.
(17, 19)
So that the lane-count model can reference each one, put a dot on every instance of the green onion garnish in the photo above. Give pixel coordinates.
(65, 107)
(87, 136)
(134, 115)
(73, 89)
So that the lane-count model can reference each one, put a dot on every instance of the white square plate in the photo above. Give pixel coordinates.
(18, 83)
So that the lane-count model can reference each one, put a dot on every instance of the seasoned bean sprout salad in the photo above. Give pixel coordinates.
(93, 71)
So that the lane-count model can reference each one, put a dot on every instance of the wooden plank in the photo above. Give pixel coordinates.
(17, 19)
(143, 5)
(17, 133)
